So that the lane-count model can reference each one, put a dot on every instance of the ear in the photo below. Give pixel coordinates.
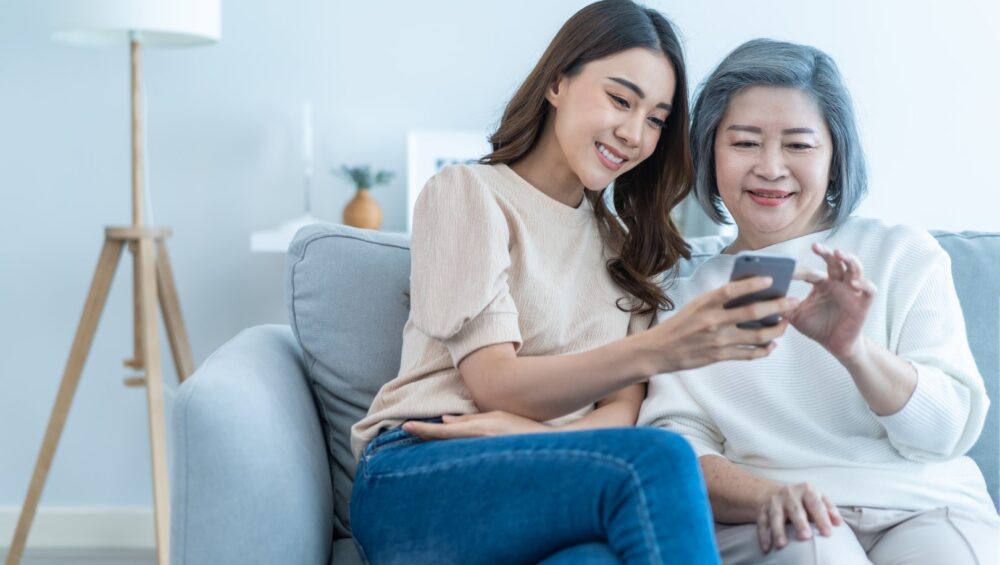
(556, 91)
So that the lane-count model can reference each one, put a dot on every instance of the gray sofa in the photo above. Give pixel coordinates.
(261, 469)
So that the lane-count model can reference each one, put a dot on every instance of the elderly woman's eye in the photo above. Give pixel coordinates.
(746, 144)
(799, 146)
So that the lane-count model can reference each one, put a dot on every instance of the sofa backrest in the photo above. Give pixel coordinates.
(346, 295)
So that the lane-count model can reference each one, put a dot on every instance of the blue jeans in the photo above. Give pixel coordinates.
(632, 495)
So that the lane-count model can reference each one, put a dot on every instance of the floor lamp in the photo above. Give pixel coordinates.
(134, 23)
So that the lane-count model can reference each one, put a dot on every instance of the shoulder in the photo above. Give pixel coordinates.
(456, 179)
(467, 187)
(892, 239)
(895, 250)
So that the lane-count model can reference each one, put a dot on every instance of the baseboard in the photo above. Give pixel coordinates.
(83, 527)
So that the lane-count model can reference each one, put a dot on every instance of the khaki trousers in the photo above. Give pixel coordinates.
(876, 536)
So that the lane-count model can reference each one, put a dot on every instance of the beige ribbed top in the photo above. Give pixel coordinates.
(494, 260)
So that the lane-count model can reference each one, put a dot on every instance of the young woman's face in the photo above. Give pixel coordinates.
(609, 116)
(772, 163)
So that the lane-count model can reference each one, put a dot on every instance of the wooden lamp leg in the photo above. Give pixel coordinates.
(154, 395)
(96, 298)
(136, 362)
(169, 302)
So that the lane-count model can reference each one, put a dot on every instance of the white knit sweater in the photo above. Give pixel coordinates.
(797, 415)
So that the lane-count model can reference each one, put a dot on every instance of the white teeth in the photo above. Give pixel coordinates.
(604, 151)
(770, 195)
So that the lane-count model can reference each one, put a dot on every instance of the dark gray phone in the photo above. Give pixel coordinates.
(778, 267)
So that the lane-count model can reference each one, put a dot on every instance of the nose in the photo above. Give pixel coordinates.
(770, 163)
(629, 131)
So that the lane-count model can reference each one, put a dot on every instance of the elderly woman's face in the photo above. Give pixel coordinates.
(772, 164)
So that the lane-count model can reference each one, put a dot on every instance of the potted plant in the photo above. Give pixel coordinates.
(363, 210)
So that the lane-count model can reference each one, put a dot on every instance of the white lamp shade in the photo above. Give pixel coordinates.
(153, 22)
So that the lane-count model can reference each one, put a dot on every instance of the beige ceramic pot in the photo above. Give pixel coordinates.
(363, 211)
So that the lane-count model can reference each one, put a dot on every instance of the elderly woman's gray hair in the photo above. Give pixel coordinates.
(765, 62)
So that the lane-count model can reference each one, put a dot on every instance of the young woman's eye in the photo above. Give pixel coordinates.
(620, 101)
(658, 123)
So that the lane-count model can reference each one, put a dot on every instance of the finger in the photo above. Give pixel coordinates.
(776, 523)
(428, 430)
(854, 268)
(735, 289)
(864, 286)
(809, 275)
(833, 511)
(761, 309)
(761, 336)
(818, 512)
(800, 520)
(834, 268)
(745, 352)
(763, 532)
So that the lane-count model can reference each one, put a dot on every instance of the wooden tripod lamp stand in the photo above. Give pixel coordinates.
(133, 23)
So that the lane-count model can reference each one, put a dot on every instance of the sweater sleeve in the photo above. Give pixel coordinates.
(946, 412)
(670, 405)
(460, 261)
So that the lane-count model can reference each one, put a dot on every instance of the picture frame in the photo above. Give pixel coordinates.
(428, 151)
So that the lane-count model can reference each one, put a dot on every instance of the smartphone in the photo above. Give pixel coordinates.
(778, 267)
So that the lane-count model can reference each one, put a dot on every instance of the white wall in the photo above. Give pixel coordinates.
(223, 125)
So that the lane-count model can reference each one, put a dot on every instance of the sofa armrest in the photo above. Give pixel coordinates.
(250, 476)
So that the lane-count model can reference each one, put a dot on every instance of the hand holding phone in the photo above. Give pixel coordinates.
(778, 267)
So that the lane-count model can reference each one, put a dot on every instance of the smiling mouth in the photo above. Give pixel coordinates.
(610, 154)
(772, 194)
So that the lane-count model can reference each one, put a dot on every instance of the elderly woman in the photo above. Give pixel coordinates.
(846, 444)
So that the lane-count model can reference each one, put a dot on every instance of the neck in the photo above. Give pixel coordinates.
(545, 168)
(752, 242)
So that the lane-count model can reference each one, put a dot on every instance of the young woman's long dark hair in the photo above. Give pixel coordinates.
(642, 239)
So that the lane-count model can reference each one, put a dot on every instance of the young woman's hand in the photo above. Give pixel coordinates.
(799, 504)
(704, 332)
(834, 312)
(486, 424)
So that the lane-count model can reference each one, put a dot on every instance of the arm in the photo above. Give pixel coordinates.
(885, 380)
(618, 410)
(736, 495)
(546, 387)
(927, 392)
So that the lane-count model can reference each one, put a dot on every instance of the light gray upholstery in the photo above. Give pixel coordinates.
(262, 468)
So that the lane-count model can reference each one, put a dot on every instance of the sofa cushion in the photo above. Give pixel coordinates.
(345, 291)
(975, 265)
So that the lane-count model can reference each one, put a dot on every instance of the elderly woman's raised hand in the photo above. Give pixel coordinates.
(834, 312)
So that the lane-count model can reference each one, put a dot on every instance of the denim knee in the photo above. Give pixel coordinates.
(658, 450)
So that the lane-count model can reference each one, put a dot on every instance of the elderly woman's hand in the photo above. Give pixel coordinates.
(834, 312)
(800, 505)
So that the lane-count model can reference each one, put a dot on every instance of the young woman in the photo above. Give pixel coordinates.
(845, 446)
(530, 310)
